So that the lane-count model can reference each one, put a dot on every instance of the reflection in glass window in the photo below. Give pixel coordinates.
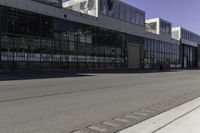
(169, 28)
(168, 53)
(110, 7)
(103, 6)
(72, 44)
(142, 20)
(122, 11)
(128, 14)
(133, 16)
(162, 27)
(138, 18)
(116, 10)
(107, 7)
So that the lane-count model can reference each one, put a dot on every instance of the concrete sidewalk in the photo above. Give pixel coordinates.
(189, 123)
(182, 119)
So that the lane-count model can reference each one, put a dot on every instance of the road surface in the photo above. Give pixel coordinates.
(64, 104)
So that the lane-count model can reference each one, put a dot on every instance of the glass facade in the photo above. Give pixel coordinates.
(189, 55)
(158, 53)
(187, 35)
(165, 27)
(33, 41)
(122, 11)
(189, 50)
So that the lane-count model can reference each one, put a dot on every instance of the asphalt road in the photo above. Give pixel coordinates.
(61, 105)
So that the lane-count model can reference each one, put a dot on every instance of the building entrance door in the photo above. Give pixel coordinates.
(133, 56)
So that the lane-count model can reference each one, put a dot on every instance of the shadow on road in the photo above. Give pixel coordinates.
(25, 75)
(125, 71)
(6, 76)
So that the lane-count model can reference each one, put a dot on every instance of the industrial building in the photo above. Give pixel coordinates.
(89, 34)
(190, 42)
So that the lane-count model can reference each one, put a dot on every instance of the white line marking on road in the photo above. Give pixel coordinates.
(132, 117)
(121, 120)
(140, 113)
(110, 124)
(78, 132)
(147, 111)
(155, 108)
(97, 129)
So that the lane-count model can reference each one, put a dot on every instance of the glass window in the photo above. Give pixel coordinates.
(17, 21)
(151, 44)
(6, 49)
(56, 40)
(162, 27)
(116, 10)
(103, 6)
(145, 44)
(138, 18)
(33, 24)
(128, 14)
(133, 16)
(142, 19)
(110, 8)
(165, 27)
(169, 28)
(122, 11)
(157, 46)
(46, 29)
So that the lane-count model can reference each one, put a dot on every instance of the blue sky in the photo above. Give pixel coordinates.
(185, 13)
